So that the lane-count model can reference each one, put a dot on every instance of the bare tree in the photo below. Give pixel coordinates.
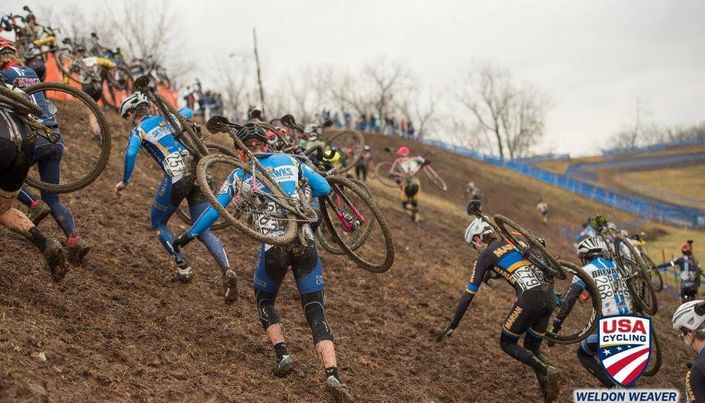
(347, 92)
(148, 30)
(388, 83)
(513, 115)
(308, 92)
(640, 131)
(424, 113)
(233, 78)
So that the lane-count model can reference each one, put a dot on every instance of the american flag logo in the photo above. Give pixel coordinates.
(624, 347)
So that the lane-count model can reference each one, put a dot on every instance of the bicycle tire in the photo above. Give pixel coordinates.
(359, 139)
(360, 240)
(20, 104)
(655, 272)
(323, 242)
(386, 264)
(596, 302)
(182, 212)
(105, 146)
(637, 281)
(435, 179)
(549, 265)
(191, 137)
(330, 245)
(66, 71)
(656, 356)
(382, 170)
(202, 179)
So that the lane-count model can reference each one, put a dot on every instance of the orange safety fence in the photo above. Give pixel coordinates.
(53, 74)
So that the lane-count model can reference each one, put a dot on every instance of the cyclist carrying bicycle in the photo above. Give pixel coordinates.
(362, 166)
(16, 155)
(532, 308)
(690, 272)
(47, 156)
(614, 294)
(410, 183)
(273, 261)
(152, 133)
(689, 321)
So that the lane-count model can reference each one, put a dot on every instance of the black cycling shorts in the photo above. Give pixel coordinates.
(531, 312)
(15, 160)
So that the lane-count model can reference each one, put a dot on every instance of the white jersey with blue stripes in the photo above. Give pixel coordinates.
(615, 296)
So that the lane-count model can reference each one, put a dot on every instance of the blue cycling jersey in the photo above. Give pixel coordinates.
(23, 77)
(156, 137)
(286, 170)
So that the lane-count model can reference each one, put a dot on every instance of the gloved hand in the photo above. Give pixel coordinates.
(181, 241)
(446, 333)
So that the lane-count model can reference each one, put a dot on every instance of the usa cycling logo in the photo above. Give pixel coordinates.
(624, 347)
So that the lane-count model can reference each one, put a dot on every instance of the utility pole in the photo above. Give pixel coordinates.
(259, 72)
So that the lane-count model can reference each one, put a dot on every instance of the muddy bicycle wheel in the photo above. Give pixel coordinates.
(71, 71)
(188, 135)
(21, 104)
(656, 355)
(384, 174)
(357, 225)
(580, 320)
(77, 115)
(530, 247)
(183, 211)
(326, 241)
(436, 179)
(656, 277)
(350, 144)
(251, 213)
(636, 274)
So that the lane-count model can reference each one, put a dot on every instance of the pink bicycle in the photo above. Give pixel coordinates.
(392, 174)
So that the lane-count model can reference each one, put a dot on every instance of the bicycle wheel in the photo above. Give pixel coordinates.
(78, 116)
(435, 178)
(636, 275)
(580, 320)
(120, 79)
(326, 241)
(362, 185)
(655, 359)
(357, 225)
(530, 247)
(256, 215)
(21, 104)
(183, 211)
(384, 174)
(656, 277)
(187, 135)
(64, 61)
(350, 144)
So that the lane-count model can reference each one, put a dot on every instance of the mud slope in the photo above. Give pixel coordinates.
(111, 331)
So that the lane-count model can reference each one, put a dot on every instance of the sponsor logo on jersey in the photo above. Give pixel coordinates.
(624, 347)
(504, 249)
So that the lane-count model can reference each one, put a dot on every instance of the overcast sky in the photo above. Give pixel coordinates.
(592, 58)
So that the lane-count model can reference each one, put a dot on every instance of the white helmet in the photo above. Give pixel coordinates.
(132, 102)
(592, 245)
(477, 227)
(689, 316)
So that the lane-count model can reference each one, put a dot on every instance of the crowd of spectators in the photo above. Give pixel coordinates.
(388, 125)
(204, 103)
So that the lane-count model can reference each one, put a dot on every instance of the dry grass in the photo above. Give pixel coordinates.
(687, 181)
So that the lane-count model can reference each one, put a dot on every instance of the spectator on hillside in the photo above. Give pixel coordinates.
(410, 130)
(348, 120)
(336, 120)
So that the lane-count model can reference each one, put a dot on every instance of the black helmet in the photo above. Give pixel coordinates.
(252, 131)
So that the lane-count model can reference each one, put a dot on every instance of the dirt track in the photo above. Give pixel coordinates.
(112, 331)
